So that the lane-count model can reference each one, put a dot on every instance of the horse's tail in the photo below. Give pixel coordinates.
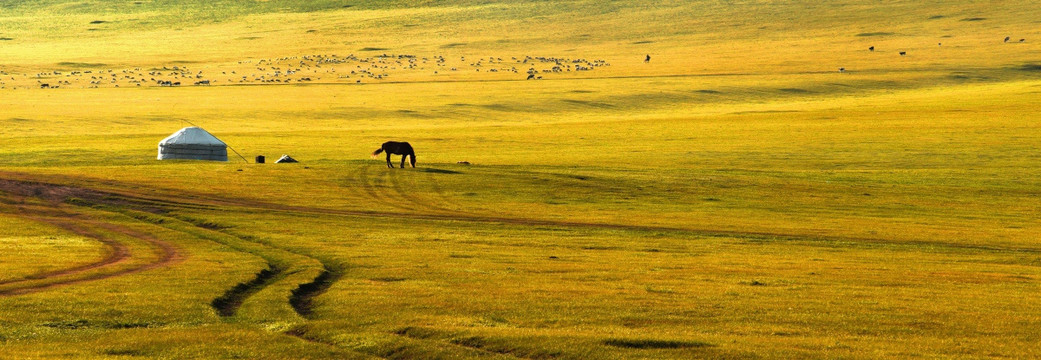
(377, 152)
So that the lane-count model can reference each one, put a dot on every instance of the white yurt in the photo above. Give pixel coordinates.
(193, 143)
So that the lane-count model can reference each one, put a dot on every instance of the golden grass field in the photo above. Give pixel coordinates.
(737, 196)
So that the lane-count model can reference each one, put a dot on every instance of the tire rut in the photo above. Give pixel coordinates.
(303, 295)
(302, 298)
(395, 195)
(231, 300)
(369, 187)
(118, 253)
(224, 202)
(225, 305)
(228, 304)
(397, 187)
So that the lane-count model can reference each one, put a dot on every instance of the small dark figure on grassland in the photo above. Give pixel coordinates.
(648, 59)
(397, 148)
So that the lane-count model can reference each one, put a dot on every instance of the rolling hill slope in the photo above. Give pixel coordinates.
(736, 196)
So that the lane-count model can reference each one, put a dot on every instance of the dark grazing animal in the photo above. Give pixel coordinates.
(902, 53)
(397, 148)
(871, 48)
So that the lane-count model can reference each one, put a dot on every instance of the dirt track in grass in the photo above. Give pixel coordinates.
(53, 211)
(157, 203)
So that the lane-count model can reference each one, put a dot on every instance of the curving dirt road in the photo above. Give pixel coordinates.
(52, 211)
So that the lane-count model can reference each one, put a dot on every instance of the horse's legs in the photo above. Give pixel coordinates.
(389, 164)
(403, 161)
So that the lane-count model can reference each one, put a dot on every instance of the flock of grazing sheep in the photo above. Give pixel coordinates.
(301, 69)
(311, 68)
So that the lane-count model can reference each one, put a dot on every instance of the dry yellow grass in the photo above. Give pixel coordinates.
(735, 197)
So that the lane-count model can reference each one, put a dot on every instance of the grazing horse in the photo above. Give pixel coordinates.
(397, 148)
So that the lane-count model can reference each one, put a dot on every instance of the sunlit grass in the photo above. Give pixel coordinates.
(33, 248)
(735, 197)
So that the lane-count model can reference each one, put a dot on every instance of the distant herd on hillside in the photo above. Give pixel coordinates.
(904, 53)
(316, 68)
(304, 69)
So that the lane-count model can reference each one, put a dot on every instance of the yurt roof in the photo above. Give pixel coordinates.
(192, 136)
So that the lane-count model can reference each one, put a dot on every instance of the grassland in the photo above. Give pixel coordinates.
(735, 197)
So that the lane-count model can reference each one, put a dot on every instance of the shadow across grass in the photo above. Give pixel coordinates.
(83, 324)
(1031, 67)
(499, 346)
(81, 64)
(205, 224)
(417, 332)
(439, 171)
(655, 344)
(875, 34)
